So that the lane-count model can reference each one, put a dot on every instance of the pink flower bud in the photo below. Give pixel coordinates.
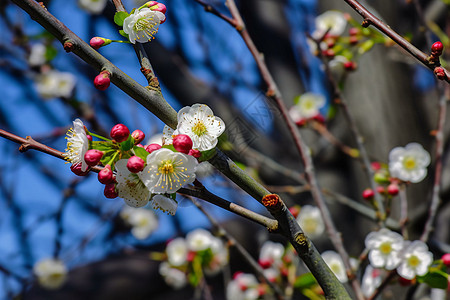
(437, 48)
(393, 189)
(381, 190)
(135, 164)
(353, 31)
(110, 191)
(265, 263)
(439, 72)
(195, 153)
(319, 118)
(368, 194)
(76, 169)
(97, 42)
(350, 66)
(89, 137)
(158, 7)
(446, 259)
(102, 80)
(120, 133)
(138, 136)
(295, 210)
(140, 145)
(106, 176)
(152, 147)
(190, 256)
(375, 165)
(182, 143)
(93, 157)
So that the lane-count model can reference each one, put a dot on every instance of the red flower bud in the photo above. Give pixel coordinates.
(76, 169)
(135, 164)
(195, 153)
(319, 118)
(295, 210)
(106, 176)
(138, 136)
(329, 53)
(120, 133)
(353, 31)
(89, 137)
(404, 281)
(265, 263)
(182, 143)
(97, 42)
(368, 194)
(437, 48)
(350, 66)
(392, 189)
(375, 165)
(92, 157)
(152, 147)
(110, 191)
(446, 259)
(381, 190)
(102, 80)
(440, 73)
(353, 40)
(190, 256)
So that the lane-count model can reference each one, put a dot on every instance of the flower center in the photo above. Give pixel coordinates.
(409, 162)
(308, 105)
(335, 267)
(199, 128)
(413, 261)
(386, 248)
(166, 167)
(141, 24)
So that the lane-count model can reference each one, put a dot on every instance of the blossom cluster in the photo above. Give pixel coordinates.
(187, 259)
(142, 221)
(154, 172)
(307, 107)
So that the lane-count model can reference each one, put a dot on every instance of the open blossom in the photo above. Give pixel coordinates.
(130, 187)
(142, 221)
(77, 145)
(371, 281)
(172, 276)
(334, 261)
(310, 220)
(385, 248)
(51, 273)
(415, 260)
(177, 252)
(93, 6)
(331, 20)
(409, 163)
(53, 83)
(166, 204)
(37, 55)
(142, 25)
(168, 171)
(243, 287)
(200, 124)
(219, 259)
(308, 106)
(199, 240)
(271, 253)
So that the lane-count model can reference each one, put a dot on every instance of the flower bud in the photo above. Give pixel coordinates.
(106, 175)
(140, 145)
(92, 157)
(156, 6)
(182, 143)
(329, 53)
(138, 136)
(437, 48)
(381, 190)
(76, 169)
(439, 72)
(195, 153)
(97, 42)
(350, 66)
(89, 137)
(135, 164)
(446, 259)
(152, 147)
(368, 194)
(120, 133)
(353, 31)
(102, 80)
(353, 40)
(319, 118)
(393, 189)
(110, 191)
(375, 165)
(295, 210)
(265, 263)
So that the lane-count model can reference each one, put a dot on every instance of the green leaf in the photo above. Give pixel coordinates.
(170, 147)
(103, 146)
(119, 17)
(108, 156)
(435, 279)
(305, 281)
(122, 33)
(206, 155)
(366, 46)
(128, 144)
(141, 152)
(50, 53)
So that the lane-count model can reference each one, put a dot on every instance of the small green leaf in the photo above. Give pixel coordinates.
(366, 46)
(119, 17)
(50, 53)
(128, 144)
(107, 157)
(103, 146)
(170, 147)
(305, 281)
(122, 33)
(206, 155)
(435, 279)
(141, 152)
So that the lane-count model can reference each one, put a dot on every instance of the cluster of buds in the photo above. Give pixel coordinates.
(387, 186)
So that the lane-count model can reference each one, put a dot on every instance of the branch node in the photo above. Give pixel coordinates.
(272, 202)
(302, 241)
(68, 45)
(366, 23)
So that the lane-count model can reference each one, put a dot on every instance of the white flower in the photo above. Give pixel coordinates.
(200, 124)
(415, 260)
(156, 139)
(93, 6)
(272, 253)
(177, 252)
(199, 240)
(77, 145)
(167, 137)
(53, 84)
(165, 204)
(385, 248)
(333, 20)
(168, 171)
(130, 186)
(271, 274)
(243, 287)
(310, 221)
(337, 66)
(173, 277)
(334, 261)
(37, 55)
(220, 257)
(409, 163)
(142, 220)
(308, 106)
(51, 273)
(370, 281)
(142, 25)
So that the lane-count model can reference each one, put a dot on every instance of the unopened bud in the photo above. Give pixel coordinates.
(329, 53)
(76, 169)
(446, 259)
(138, 136)
(110, 191)
(92, 157)
(392, 189)
(89, 137)
(152, 147)
(350, 65)
(135, 164)
(102, 80)
(368, 194)
(182, 143)
(195, 153)
(120, 133)
(381, 190)
(106, 175)
(295, 210)
(97, 42)
(437, 48)
(353, 31)
(440, 73)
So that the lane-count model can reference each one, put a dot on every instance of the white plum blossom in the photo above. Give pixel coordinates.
(93, 6)
(37, 55)
(272, 253)
(77, 145)
(385, 248)
(166, 204)
(409, 163)
(130, 186)
(415, 260)
(199, 240)
(331, 20)
(308, 105)
(51, 273)
(172, 276)
(156, 138)
(167, 136)
(142, 24)
(243, 287)
(53, 84)
(177, 252)
(334, 261)
(142, 221)
(219, 259)
(311, 222)
(168, 171)
(371, 281)
(200, 124)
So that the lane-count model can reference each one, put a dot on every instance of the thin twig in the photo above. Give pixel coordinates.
(403, 211)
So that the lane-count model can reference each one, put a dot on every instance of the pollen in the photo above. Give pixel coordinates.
(199, 128)
(166, 167)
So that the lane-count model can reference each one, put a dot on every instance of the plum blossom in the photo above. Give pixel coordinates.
(166, 204)
(143, 24)
(311, 222)
(37, 55)
(53, 84)
(271, 253)
(219, 259)
(331, 20)
(199, 240)
(130, 186)
(415, 260)
(409, 163)
(92, 6)
(334, 261)
(385, 248)
(172, 276)
(77, 145)
(51, 273)
(142, 221)
(308, 105)
(177, 252)
(243, 287)
(371, 281)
